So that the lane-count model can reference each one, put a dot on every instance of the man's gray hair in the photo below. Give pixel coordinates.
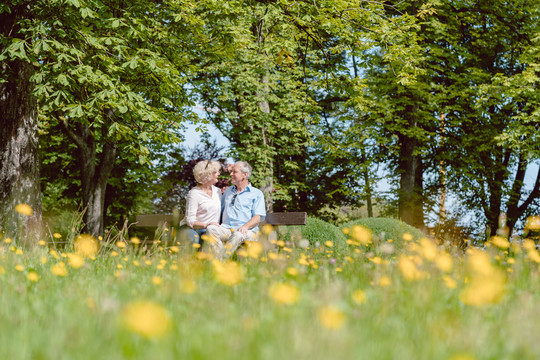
(244, 167)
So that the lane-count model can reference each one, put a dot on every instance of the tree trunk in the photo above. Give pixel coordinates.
(410, 201)
(94, 175)
(515, 209)
(19, 165)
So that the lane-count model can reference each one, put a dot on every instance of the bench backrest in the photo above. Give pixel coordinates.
(275, 218)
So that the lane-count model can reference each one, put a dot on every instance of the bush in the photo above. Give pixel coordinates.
(385, 229)
(316, 231)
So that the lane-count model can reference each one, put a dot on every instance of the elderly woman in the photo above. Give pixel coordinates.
(203, 206)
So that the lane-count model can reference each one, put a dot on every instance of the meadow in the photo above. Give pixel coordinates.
(321, 292)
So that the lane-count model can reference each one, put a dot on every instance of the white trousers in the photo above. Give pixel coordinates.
(226, 241)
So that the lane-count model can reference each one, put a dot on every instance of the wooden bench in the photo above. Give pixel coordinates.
(167, 220)
(276, 219)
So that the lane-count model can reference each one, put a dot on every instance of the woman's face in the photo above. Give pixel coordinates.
(215, 177)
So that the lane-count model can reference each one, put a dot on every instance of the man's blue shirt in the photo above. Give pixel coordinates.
(239, 208)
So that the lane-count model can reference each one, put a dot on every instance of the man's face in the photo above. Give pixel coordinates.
(237, 176)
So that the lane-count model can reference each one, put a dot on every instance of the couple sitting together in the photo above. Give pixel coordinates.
(240, 208)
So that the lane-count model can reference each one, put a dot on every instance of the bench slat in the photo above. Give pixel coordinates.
(276, 218)
(154, 220)
(286, 218)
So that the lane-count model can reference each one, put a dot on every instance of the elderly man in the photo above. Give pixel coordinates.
(242, 208)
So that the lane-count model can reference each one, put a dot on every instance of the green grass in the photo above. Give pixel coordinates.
(79, 316)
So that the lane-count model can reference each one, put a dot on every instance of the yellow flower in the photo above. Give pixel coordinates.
(303, 260)
(228, 273)
(254, 249)
(346, 231)
(86, 245)
(362, 234)
(376, 260)
(42, 243)
(409, 270)
(188, 286)
(174, 249)
(19, 268)
(114, 253)
(444, 261)
(534, 256)
(156, 280)
(147, 319)
(24, 209)
(57, 236)
(329, 243)
(32, 276)
(7, 240)
(483, 290)
(135, 240)
(533, 223)
(75, 261)
(449, 282)
(59, 269)
(359, 296)
(500, 242)
(121, 244)
(487, 283)
(267, 229)
(428, 249)
(331, 317)
(385, 281)
(407, 237)
(292, 271)
(284, 293)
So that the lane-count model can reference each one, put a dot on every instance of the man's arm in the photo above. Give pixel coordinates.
(254, 221)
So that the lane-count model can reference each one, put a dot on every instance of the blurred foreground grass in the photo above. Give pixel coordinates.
(402, 298)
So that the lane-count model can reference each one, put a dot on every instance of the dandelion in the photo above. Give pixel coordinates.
(42, 243)
(24, 209)
(254, 249)
(267, 229)
(121, 244)
(331, 317)
(362, 234)
(114, 253)
(292, 271)
(75, 261)
(86, 245)
(284, 293)
(409, 270)
(303, 260)
(329, 243)
(228, 273)
(449, 282)
(156, 280)
(444, 262)
(147, 319)
(188, 286)
(7, 240)
(57, 235)
(407, 237)
(428, 249)
(500, 242)
(33, 276)
(346, 231)
(135, 240)
(487, 283)
(19, 267)
(533, 223)
(359, 297)
(59, 269)
(174, 249)
(385, 281)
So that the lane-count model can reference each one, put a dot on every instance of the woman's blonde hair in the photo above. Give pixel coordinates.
(203, 170)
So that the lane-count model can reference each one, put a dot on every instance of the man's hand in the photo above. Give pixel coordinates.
(243, 229)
